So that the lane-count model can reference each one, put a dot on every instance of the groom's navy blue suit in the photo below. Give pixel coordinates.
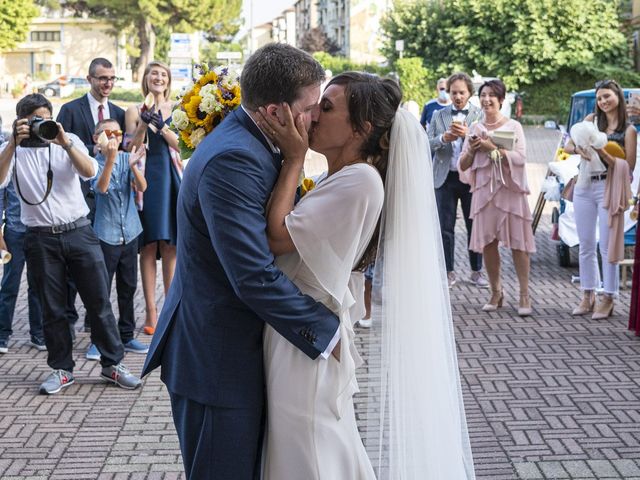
(208, 340)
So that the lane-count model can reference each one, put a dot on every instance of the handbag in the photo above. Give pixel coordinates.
(567, 191)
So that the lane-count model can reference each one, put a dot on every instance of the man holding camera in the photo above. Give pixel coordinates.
(46, 164)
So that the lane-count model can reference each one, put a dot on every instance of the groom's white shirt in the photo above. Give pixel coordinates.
(336, 338)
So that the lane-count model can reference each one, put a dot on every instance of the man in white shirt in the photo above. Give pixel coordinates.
(60, 240)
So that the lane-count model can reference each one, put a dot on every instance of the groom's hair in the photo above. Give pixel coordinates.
(276, 73)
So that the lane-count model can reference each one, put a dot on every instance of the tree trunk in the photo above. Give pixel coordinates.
(147, 39)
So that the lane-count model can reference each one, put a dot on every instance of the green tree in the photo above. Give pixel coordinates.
(414, 79)
(15, 18)
(146, 19)
(521, 41)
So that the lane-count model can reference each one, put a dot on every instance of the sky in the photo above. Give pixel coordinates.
(263, 10)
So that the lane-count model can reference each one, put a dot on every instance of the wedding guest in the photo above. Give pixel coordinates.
(149, 128)
(442, 100)
(447, 131)
(499, 206)
(591, 200)
(13, 242)
(79, 117)
(117, 225)
(60, 241)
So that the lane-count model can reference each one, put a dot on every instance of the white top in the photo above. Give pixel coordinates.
(328, 247)
(93, 104)
(66, 202)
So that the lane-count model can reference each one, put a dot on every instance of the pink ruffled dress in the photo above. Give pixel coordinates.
(499, 206)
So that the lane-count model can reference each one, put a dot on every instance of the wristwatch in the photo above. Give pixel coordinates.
(68, 146)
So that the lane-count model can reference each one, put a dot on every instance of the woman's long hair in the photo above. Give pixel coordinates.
(601, 117)
(371, 100)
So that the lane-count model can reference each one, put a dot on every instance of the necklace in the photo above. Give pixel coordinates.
(486, 124)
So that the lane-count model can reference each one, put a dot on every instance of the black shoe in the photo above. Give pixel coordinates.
(37, 343)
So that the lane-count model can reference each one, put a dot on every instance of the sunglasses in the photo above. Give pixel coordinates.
(110, 133)
(605, 83)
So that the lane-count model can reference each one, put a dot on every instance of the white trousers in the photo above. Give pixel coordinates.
(590, 214)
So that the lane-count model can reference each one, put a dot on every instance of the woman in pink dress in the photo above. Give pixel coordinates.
(499, 207)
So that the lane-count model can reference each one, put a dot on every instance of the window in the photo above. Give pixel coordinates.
(45, 36)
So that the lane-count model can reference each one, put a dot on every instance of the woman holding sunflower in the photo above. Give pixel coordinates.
(148, 126)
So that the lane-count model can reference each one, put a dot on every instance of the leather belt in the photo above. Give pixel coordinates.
(602, 176)
(65, 227)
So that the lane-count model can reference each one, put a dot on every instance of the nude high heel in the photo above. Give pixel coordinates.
(586, 305)
(603, 309)
(524, 310)
(495, 302)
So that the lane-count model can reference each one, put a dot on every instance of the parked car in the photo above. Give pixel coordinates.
(64, 86)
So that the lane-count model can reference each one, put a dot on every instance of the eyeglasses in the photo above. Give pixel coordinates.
(442, 88)
(110, 133)
(605, 83)
(105, 80)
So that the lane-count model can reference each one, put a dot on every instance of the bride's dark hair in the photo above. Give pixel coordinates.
(373, 101)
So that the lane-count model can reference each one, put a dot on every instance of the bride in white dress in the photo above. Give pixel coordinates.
(311, 429)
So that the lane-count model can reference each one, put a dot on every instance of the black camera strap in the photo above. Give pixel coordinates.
(15, 174)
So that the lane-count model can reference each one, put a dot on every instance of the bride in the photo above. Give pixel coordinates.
(375, 202)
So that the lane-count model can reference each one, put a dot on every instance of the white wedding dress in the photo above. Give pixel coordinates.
(412, 416)
(311, 428)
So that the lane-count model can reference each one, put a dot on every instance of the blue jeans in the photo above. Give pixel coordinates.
(10, 287)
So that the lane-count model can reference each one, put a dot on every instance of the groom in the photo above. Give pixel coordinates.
(209, 335)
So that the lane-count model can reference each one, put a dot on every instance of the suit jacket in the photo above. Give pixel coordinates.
(209, 334)
(442, 152)
(75, 117)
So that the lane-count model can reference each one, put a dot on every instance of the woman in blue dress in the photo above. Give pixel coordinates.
(148, 127)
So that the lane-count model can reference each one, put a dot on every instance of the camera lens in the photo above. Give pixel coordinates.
(45, 129)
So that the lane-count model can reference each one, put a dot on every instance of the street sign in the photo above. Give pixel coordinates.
(180, 45)
(399, 45)
(180, 72)
(229, 55)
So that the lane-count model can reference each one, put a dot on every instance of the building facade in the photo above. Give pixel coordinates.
(354, 25)
(58, 45)
(284, 27)
(306, 12)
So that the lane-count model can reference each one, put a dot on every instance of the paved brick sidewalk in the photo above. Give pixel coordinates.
(547, 397)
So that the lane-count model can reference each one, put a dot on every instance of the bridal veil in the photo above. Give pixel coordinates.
(415, 426)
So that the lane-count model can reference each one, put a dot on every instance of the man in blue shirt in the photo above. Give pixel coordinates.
(14, 233)
(118, 226)
(435, 104)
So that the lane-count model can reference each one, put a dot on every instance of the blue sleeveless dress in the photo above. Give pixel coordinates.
(158, 215)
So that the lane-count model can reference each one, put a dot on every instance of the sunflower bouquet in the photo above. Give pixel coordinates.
(203, 104)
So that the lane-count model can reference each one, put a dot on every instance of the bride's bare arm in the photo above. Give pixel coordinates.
(292, 140)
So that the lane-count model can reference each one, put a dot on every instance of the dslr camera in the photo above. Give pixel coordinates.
(41, 132)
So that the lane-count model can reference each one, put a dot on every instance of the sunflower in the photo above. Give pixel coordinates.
(185, 135)
(194, 91)
(193, 110)
(209, 77)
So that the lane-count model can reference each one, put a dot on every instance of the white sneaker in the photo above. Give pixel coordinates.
(365, 322)
(451, 278)
(477, 278)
